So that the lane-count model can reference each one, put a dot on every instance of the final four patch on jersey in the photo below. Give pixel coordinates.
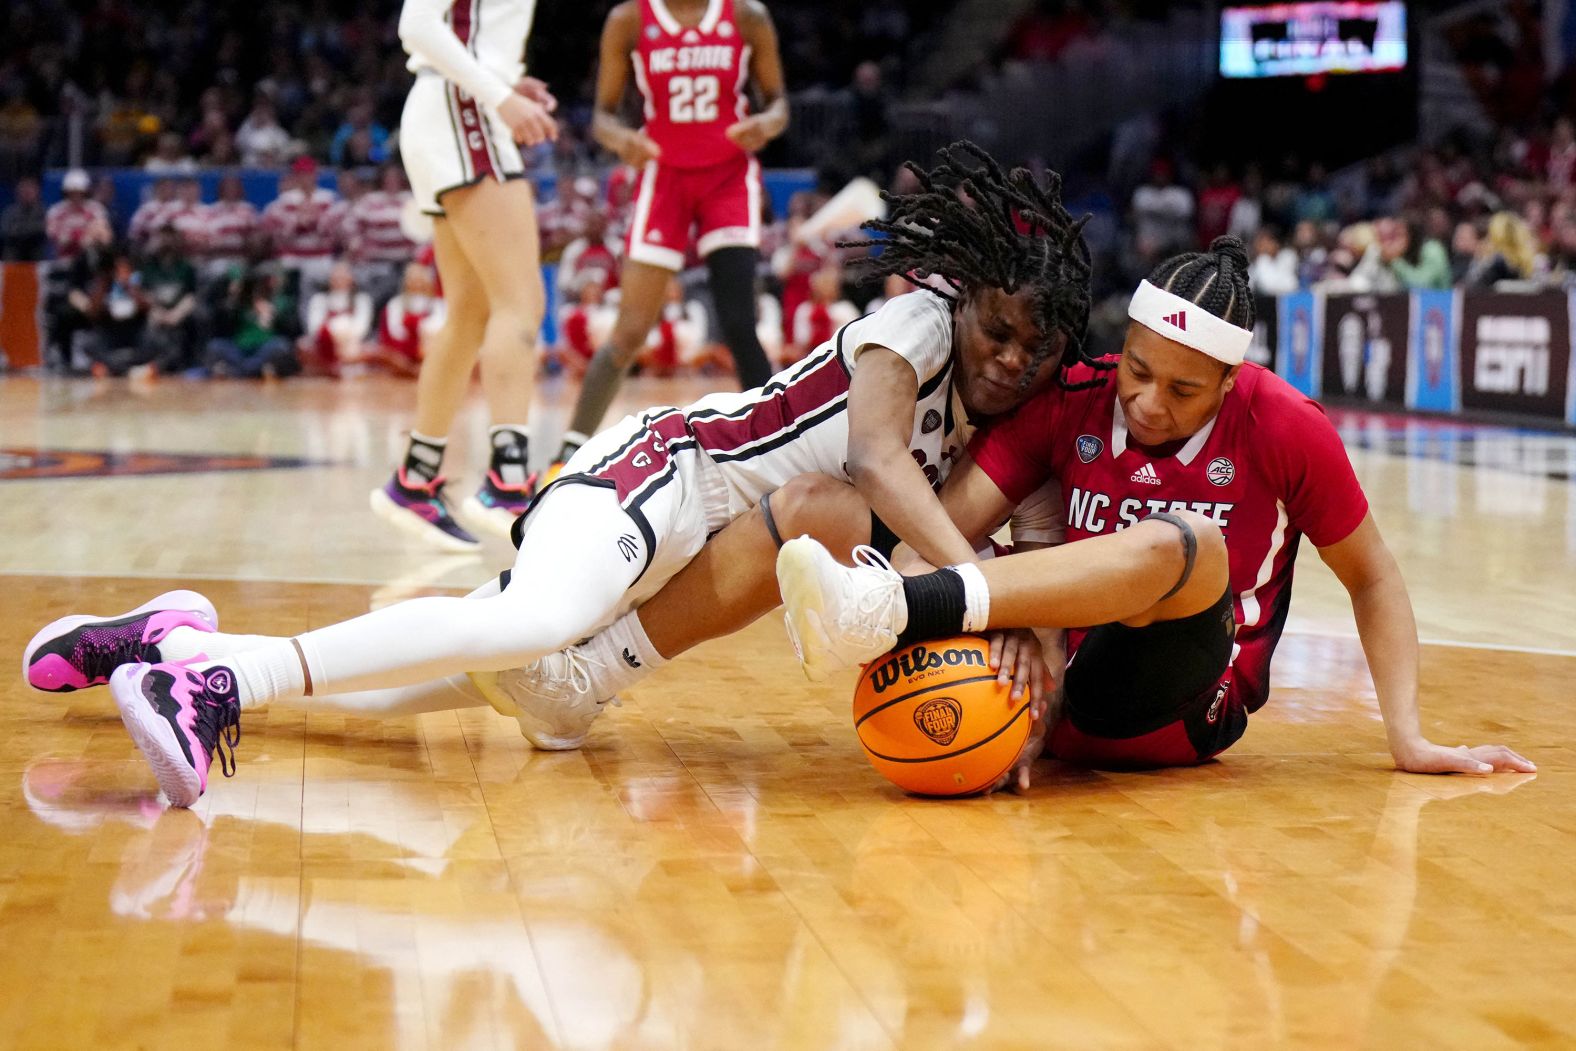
(1089, 447)
(931, 421)
(1221, 471)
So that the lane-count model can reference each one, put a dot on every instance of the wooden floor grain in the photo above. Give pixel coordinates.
(719, 867)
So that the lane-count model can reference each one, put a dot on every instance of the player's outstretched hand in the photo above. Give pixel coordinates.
(636, 148)
(749, 134)
(1426, 757)
(538, 92)
(529, 121)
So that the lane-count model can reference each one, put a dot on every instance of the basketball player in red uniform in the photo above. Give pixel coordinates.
(691, 60)
(1189, 483)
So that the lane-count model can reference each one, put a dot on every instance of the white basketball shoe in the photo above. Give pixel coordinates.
(554, 699)
(839, 616)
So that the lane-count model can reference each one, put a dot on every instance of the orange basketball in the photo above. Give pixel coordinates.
(933, 720)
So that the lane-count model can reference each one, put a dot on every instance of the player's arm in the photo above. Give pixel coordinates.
(1388, 631)
(424, 32)
(766, 70)
(881, 399)
(620, 37)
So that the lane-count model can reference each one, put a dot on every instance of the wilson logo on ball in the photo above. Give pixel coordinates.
(917, 660)
(939, 719)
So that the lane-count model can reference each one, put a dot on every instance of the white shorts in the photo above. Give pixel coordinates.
(674, 496)
(448, 141)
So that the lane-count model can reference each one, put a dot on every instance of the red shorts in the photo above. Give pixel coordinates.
(721, 204)
(1207, 729)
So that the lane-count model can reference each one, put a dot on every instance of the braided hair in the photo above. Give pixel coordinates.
(975, 226)
(1216, 280)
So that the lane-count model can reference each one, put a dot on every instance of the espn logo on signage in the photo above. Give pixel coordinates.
(1512, 355)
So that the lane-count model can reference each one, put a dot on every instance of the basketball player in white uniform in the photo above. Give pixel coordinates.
(463, 117)
(884, 403)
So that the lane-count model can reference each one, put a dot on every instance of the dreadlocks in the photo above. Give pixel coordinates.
(975, 226)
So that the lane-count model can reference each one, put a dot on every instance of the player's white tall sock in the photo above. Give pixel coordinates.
(268, 673)
(625, 655)
(439, 695)
(184, 644)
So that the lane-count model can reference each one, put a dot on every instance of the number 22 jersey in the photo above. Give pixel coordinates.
(692, 82)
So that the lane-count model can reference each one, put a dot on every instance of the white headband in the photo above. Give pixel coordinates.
(1189, 324)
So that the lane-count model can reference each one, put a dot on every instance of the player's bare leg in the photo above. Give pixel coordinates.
(413, 500)
(1156, 570)
(642, 291)
(495, 223)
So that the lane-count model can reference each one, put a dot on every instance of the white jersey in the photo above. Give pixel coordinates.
(478, 45)
(753, 442)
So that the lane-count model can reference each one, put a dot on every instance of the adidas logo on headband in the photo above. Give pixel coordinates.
(1179, 319)
(1167, 314)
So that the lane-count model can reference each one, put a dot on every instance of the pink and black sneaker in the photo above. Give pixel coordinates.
(418, 509)
(80, 651)
(497, 504)
(179, 715)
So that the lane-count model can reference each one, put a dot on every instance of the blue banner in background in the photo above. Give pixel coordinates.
(1433, 375)
(1297, 358)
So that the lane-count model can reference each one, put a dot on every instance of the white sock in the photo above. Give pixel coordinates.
(184, 644)
(626, 653)
(271, 672)
(976, 597)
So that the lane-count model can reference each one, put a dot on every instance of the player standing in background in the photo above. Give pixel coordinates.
(691, 60)
(469, 107)
(1189, 483)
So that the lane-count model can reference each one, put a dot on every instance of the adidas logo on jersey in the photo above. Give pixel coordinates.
(1147, 475)
(1179, 319)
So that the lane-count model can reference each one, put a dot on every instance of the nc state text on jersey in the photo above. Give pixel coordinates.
(1089, 511)
(690, 59)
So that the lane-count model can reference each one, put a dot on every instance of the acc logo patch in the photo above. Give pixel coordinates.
(939, 719)
(931, 422)
(1089, 447)
(1221, 471)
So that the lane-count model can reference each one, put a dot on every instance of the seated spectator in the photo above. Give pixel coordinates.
(22, 232)
(112, 311)
(591, 257)
(359, 122)
(1314, 201)
(1416, 260)
(1508, 252)
(78, 222)
(1466, 259)
(1162, 215)
(408, 321)
(230, 232)
(584, 324)
(1273, 271)
(338, 321)
(152, 215)
(678, 338)
(169, 155)
(296, 228)
(1216, 200)
(819, 317)
(252, 330)
(169, 287)
(375, 238)
(261, 141)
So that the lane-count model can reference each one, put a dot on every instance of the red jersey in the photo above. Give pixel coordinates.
(1269, 469)
(692, 80)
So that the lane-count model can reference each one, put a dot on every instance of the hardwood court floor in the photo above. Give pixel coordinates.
(719, 868)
